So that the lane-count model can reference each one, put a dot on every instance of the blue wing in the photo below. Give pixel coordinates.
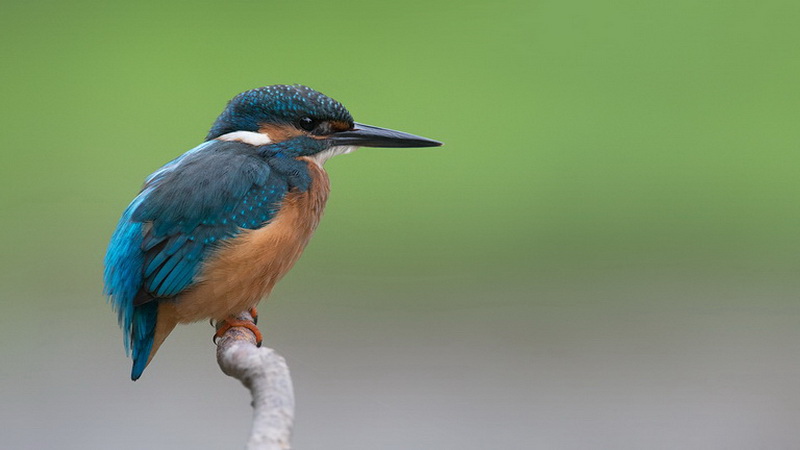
(207, 196)
(183, 212)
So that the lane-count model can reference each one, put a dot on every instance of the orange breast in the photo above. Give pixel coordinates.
(246, 268)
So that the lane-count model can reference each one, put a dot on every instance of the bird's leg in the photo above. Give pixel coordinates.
(231, 322)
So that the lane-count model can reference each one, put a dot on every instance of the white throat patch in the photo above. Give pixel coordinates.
(321, 157)
(248, 137)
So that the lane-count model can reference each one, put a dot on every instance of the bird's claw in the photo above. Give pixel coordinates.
(254, 313)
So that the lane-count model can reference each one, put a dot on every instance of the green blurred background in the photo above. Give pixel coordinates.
(603, 255)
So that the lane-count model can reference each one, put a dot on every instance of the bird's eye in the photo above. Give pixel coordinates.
(307, 123)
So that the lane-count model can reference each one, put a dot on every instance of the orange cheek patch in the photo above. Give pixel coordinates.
(338, 125)
(280, 133)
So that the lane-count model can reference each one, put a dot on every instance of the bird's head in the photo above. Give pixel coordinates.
(305, 120)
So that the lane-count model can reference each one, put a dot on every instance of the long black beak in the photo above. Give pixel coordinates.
(368, 136)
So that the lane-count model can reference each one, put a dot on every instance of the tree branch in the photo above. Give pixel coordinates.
(266, 375)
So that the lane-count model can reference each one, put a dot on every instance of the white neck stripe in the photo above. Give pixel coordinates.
(325, 155)
(248, 137)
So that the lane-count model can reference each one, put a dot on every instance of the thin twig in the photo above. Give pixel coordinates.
(265, 373)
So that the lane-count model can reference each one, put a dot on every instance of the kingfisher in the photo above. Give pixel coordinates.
(213, 230)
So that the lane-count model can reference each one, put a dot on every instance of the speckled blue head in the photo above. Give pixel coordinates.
(295, 105)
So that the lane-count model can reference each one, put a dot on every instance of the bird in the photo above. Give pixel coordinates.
(213, 230)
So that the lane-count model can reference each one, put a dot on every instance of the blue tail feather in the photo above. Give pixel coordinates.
(143, 331)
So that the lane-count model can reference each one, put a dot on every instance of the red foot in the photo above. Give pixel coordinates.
(253, 312)
(230, 323)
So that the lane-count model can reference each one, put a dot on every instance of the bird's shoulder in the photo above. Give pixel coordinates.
(191, 205)
(197, 201)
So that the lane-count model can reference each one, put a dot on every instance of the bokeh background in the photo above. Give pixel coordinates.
(604, 254)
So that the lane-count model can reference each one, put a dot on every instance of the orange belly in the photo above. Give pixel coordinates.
(245, 269)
